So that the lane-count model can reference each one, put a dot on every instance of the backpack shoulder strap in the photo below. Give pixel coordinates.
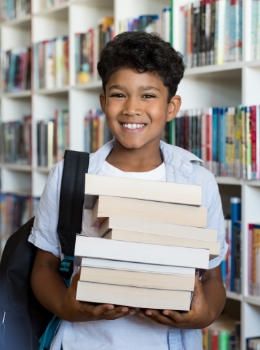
(71, 199)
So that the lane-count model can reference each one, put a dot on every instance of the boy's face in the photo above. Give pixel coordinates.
(136, 107)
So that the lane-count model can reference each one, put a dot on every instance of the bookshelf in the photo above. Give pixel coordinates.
(230, 84)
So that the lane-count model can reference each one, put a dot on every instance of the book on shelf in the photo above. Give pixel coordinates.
(88, 47)
(14, 9)
(15, 141)
(255, 32)
(177, 214)
(95, 247)
(14, 212)
(137, 279)
(53, 3)
(141, 237)
(157, 228)
(96, 132)
(16, 70)
(212, 32)
(52, 138)
(232, 264)
(51, 63)
(254, 259)
(224, 333)
(150, 23)
(159, 191)
(133, 297)
(253, 343)
(226, 139)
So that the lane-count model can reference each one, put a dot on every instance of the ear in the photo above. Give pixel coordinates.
(102, 100)
(173, 107)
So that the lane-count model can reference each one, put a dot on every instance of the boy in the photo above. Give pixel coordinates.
(140, 74)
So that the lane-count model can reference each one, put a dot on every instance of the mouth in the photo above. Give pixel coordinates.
(133, 126)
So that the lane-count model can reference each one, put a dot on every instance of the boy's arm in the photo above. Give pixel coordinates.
(50, 290)
(207, 303)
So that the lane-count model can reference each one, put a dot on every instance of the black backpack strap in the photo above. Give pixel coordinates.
(71, 205)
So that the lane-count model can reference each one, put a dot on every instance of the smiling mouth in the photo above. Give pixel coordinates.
(133, 126)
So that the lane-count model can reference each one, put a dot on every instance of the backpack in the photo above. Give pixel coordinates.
(22, 318)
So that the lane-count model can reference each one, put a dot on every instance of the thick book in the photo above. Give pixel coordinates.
(134, 297)
(177, 214)
(141, 237)
(158, 191)
(157, 228)
(138, 279)
(133, 266)
(94, 247)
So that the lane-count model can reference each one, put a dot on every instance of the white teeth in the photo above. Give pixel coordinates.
(133, 126)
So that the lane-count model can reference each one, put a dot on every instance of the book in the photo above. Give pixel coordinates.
(159, 191)
(94, 247)
(137, 279)
(106, 206)
(133, 266)
(133, 297)
(141, 237)
(157, 228)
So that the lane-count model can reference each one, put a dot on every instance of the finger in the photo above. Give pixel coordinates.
(97, 310)
(158, 317)
(179, 317)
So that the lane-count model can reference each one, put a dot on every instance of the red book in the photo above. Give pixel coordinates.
(254, 142)
(214, 340)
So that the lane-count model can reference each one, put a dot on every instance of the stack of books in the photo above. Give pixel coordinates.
(152, 237)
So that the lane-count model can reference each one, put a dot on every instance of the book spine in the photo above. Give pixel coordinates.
(209, 139)
(248, 143)
(238, 145)
(215, 140)
(235, 215)
(253, 141)
(250, 256)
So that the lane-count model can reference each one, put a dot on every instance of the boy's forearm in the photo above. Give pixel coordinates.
(215, 295)
(48, 285)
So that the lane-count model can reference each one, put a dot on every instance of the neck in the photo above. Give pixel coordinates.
(135, 160)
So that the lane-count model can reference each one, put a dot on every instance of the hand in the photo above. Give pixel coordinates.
(76, 311)
(198, 317)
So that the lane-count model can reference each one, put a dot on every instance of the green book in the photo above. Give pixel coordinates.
(223, 340)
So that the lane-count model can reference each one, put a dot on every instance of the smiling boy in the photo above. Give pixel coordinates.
(140, 74)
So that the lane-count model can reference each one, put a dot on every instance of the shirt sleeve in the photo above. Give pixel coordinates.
(215, 220)
(44, 232)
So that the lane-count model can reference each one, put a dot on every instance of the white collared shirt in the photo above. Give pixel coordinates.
(120, 334)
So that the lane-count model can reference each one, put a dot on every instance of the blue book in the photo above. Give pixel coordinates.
(235, 216)
(222, 141)
(215, 140)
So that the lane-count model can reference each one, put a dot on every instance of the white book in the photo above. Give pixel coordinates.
(134, 266)
(159, 191)
(157, 228)
(94, 247)
(134, 297)
(176, 214)
(137, 279)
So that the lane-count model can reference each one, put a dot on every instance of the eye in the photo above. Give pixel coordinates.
(117, 95)
(148, 96)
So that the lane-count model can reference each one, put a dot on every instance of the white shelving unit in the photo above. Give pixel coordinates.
(228, 85)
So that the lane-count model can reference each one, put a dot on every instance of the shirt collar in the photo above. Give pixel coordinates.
(174, 156)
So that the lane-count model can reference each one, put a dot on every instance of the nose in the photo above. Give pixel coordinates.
(132, 107)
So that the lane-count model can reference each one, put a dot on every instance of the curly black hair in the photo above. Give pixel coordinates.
(145, 53)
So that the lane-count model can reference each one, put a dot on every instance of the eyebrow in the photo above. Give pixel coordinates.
(146, 88)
